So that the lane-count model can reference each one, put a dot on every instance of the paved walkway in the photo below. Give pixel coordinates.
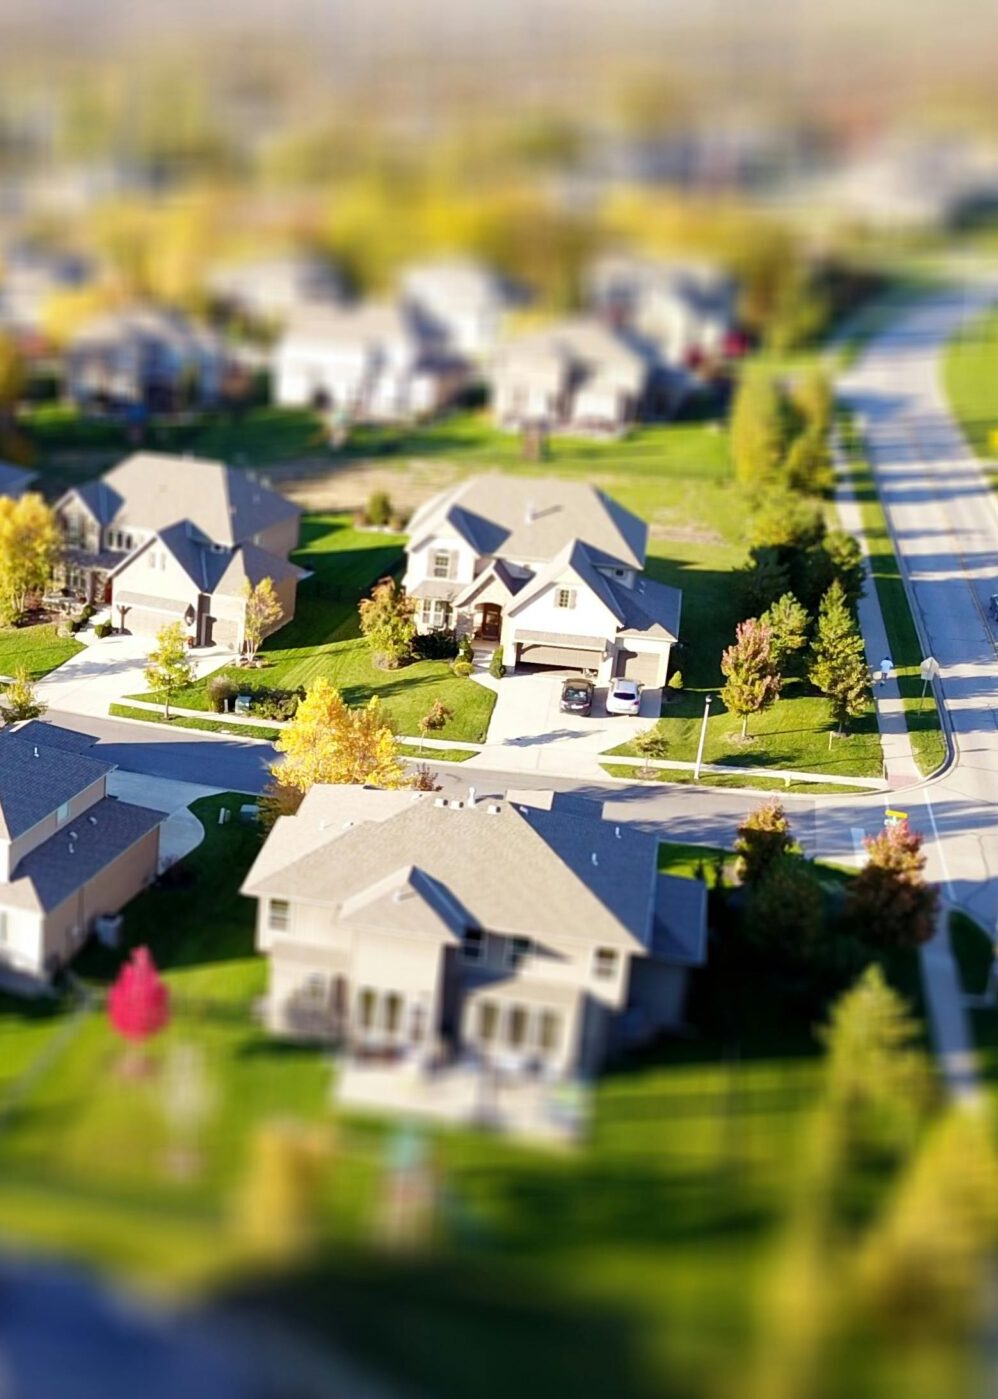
(900, 767)
(104, 671)
(181, 832)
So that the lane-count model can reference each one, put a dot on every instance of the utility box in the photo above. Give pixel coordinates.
(242, 704)
(108, 928)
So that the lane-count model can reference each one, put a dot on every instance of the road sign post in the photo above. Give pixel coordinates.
(928, 670)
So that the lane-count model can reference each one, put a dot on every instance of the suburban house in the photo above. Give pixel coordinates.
(552, 570)
(270, 290)
(165, 539)
(69, 852)
(576, 375)
(15, 480)
(368, 363)
(461, 301)
(465, 951)
(144, 358)
(683, 311)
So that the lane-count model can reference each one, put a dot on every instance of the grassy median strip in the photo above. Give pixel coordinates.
(721, 779)
(921, 715)
(187, 721)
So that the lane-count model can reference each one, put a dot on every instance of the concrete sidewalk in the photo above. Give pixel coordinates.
(107, 670)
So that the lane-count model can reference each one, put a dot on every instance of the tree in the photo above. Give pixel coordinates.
(29, 546)
(763, 580)
(763, 837)
(788, 621)
(20, 700)
(435, 718)
(879, 1081)
(786, 521)
(838, 667)
(651, 744)
(277, 1205)
(837, 557)
(263, 610)
(759, 429)
(387, 620)
(809, 464)
(889, 898)
(11, 378)
(378, 510)
(785, 910)
(753, 682)
(328, 742)
(169, 667)
(138, 1004)
(814, 400)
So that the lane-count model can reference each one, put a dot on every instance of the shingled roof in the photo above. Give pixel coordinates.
(36, 778)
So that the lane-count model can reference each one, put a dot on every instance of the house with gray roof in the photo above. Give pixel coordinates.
(144, 357)
(69, 852)
(474, 942)
(163, 539)
(15, 480)
(576, 375)
(552, 570)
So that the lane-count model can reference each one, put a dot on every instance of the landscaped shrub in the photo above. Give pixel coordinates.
(465, 650)
(378, 510)
(437, 645)
(399, 520)
(276, 704)
(676, 682)
(496, 667)
(462, 668)
(221, 690)
(103, 629)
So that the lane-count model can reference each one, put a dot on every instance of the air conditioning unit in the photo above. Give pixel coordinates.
(108, 928)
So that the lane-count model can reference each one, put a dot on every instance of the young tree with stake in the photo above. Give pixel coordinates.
(752, 680)
(262, 612)
(169, 667)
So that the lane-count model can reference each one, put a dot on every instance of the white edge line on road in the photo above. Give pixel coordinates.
(942, 854)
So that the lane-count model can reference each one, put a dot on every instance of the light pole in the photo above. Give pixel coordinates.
(703, 737)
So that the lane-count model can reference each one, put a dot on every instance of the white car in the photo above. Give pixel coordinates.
(624, 697)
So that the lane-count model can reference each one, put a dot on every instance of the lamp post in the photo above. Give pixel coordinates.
(703, 737)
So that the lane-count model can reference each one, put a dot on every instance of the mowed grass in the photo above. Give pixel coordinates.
(324, 639)
(970, 375)
(39, 649)
(921, 713)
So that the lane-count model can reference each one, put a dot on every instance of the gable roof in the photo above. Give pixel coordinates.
(572, 563)
(368, 324)
(574, 875)
(533, 519)
(37, 777)
(15, 480)
(154, 490)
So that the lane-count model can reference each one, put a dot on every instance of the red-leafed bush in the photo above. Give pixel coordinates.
(138, 1003)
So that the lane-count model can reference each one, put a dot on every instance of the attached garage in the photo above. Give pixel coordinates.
(564, 657)
(646, 667)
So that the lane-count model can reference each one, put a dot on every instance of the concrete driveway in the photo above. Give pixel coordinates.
(108, 670)
(527, 716)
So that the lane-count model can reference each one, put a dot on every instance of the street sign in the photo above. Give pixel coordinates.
(892, 817)
(929, 668)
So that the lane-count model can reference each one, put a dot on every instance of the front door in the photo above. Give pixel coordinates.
(490, 625)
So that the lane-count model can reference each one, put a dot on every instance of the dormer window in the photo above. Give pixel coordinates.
(441, 564)
(564, 597)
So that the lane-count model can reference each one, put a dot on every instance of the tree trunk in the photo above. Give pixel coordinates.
(744, 726)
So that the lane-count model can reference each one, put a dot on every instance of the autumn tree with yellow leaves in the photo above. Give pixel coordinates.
(327, 741)
(29, 547)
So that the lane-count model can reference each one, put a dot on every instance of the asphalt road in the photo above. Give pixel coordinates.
(944, 520)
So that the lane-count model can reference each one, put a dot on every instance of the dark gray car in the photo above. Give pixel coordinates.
(577, 693)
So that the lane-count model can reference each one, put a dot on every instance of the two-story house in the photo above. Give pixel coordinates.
(461, 301)
(69, 853)
(576, 375)
(434, 937)
(164, 539)
(552, 570)
(372, 362)
(144, 357)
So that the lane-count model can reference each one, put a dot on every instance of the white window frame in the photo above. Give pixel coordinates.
(564, 598)
(282, 922)
(435, 561)
(606, 963)
(516, 951)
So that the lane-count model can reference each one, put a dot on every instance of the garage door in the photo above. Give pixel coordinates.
(641, 666)
(565, 657)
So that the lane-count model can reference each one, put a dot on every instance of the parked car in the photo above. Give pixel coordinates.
(577, 694)
(624, 697)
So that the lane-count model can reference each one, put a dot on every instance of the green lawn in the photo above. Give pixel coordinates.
(683, 777)
(324, 639)
(921, 715)
(39, 649)
(970, 374)
(631, 1266)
